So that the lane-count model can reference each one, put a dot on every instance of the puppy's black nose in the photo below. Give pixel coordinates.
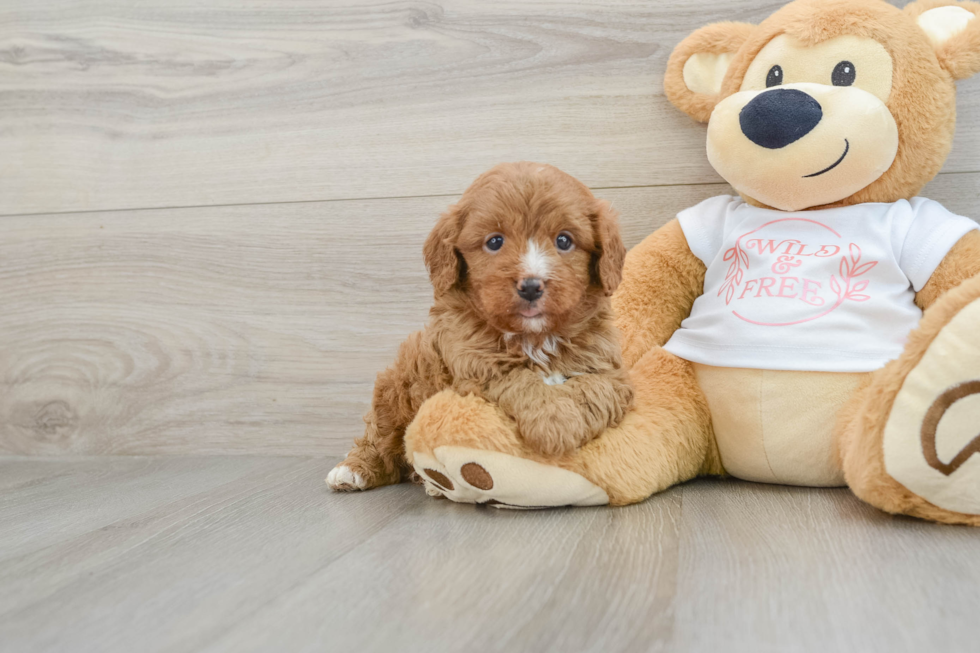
(776, 118)
(530, 289)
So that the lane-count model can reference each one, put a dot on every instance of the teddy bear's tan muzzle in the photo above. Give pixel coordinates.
(801, 145)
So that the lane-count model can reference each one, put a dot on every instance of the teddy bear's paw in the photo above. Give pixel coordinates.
(932, 436)
(468, 475)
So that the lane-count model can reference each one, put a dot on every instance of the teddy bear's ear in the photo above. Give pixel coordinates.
(698, 65)
(954, 30)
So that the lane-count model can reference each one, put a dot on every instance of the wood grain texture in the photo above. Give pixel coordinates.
(47, 502)
(107, 105)
(247, 329)
(252, 329)
(260, 556)
(256, 322)
(804, 569)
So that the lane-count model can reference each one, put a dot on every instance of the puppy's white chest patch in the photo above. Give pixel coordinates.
(555, 378)
(541, 355)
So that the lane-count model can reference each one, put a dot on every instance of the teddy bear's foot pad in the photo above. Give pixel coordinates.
(932, 437)
(468, 475)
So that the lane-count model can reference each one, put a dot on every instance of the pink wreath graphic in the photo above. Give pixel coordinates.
(846, 289)
(849, 270)
(734, 276)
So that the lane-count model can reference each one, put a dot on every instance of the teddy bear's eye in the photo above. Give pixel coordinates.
(843, 74)
(775, 76)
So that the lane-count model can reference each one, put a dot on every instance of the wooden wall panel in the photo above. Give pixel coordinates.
(211, 214)
(248, 329)
(109, 105)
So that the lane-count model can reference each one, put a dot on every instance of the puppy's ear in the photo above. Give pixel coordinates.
(607, 262)
(698, 65)
(443, 261)
(954, 30)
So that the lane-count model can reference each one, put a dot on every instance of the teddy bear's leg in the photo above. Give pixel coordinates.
(908, 439)
(469, 451)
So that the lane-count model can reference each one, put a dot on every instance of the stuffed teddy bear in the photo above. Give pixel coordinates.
(821, 329)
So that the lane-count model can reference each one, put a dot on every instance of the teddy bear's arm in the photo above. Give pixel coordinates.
(961, 263)
(661, 280)
(554, 418)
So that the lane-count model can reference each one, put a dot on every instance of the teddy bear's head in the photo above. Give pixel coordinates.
(829, 102)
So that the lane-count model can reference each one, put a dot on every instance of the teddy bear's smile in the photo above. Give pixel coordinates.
(847, 148)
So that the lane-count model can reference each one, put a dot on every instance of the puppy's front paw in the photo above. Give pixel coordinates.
(554, 428)
(365, 469)
(344, 479)
(623, 404)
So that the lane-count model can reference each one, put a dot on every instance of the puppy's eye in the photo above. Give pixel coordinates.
(564, 242)
(775, 76)
(843, 74)
(494, 243)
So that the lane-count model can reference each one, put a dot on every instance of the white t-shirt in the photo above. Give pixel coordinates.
(828, 290)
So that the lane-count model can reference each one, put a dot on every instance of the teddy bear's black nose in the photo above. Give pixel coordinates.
(776, 118)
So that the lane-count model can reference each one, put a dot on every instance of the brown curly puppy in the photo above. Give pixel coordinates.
(523, 267)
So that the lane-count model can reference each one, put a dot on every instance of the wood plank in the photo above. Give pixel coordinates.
(456, 578)
(167, 575)
(63, 499)
(248, 329)
(272, 560)
(212, 564)
(107, 105)
(253, 329)
(817, 570)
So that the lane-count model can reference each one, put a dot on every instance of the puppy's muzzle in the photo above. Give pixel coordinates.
(530, 289)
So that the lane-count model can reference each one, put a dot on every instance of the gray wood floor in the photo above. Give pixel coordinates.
(253, 553)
